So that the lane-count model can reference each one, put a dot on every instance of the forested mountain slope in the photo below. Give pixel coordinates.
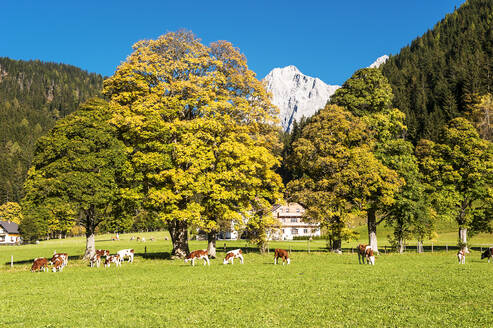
(442, 73)
(33, 95)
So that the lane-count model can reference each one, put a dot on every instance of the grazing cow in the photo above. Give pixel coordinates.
(126, 253)
(95, 260)
(40, 263)
(281, 253)
(461, 255)
(488, 253)
(58, 264)
(151, 239)
(132, 238)
(102, 252)
(231, 255)
(197, 255)
(143, 240)
(370, 258)
(113, 259)
(138, 238)
(362, 252)
(63, 256)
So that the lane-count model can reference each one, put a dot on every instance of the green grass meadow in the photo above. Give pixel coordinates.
(318, 289)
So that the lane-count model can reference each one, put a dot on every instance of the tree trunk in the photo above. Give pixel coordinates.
(262, 246)
(372, 229)
(463, 238)
(179, 238)
(89, 223)
(336, 245)
(401, 245)
(211, 244)
(90, 245)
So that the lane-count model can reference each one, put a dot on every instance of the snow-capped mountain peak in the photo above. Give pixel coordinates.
(296, 94)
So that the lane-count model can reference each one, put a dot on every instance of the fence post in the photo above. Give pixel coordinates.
(289, 249)
(308, 245)
(224, 247)
(11, 261)
(432, 247)
(352, 250)
(446, 248)
(145, 250)
(385, 249)
(481, 249)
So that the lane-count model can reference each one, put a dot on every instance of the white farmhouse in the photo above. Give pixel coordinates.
(291, 218)
(9, 233)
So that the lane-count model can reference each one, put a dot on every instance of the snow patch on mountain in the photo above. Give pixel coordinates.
(296, 95)
(380, 60)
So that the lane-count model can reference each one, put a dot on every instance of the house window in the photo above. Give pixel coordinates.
(286, 210)
(282, 230)
(305, 231)
(298, 210)
(294, 220)
(294, 231)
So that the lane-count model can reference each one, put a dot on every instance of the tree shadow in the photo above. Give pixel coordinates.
(73, 257)
(155, 255)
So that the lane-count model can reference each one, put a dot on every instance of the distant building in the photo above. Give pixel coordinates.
(9, 233)
(231, 234)
(291, 218)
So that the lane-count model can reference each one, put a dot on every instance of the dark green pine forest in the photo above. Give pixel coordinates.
(33, 95)
(444, 73)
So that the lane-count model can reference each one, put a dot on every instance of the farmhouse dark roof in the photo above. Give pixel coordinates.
(10, 227)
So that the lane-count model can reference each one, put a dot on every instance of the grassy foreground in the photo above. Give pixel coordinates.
(318, 289)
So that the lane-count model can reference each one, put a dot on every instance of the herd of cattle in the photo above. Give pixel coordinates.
(60, 260)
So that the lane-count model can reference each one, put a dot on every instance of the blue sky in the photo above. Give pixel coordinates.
(327, 39)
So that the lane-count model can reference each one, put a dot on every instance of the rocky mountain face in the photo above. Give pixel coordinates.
(296, 94)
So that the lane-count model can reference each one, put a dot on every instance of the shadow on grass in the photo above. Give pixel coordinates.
(155, 256)
(70, 258)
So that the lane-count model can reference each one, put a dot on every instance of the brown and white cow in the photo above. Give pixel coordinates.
(461, 255)
(362, 252)
(113, 259)
(488, 253)
(283, 254)
(63, 256)
(234, 254)
(102, 252)
(40, 263)
(370, 257)
(126, 253)
(95, 260)
(58, 264)
(197, 255)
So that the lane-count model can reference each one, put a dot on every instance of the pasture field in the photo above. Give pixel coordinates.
(318, 289)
